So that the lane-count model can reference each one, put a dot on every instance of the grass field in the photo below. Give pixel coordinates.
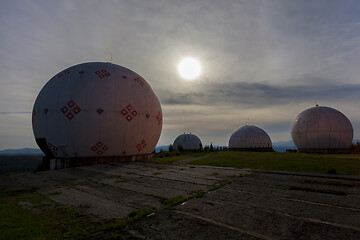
(170, 159)
(30, 215)
(348, 164)
(52, 220)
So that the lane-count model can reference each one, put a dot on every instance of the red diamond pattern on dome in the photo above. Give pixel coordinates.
(71, 103)
(124, 112)
(99, 148)
(76, 110)
(63, 73)
(70, 116)
(159, 117)
(102, 73)
(140, 146)
(53, 148)
(104, 148)
(70, 110)
(139, 81)
(129, 112)
(64, 109)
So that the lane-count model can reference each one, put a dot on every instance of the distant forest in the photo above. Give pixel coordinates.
(19, 163)
(355, 148)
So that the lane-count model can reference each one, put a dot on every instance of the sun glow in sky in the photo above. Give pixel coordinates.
(189, 68)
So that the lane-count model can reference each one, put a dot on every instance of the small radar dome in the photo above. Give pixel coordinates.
(188, 142)
(250, 138)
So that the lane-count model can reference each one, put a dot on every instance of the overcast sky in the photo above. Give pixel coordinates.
(263, 61)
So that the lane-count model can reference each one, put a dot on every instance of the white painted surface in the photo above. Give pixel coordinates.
(250, 136)
(322, 128)
(115, 113)
(188, 141)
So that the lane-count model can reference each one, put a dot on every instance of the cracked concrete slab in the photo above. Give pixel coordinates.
(245, 204)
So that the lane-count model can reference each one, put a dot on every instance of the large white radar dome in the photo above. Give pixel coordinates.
(96, 110)
(322, 129)
(187, 141)
(250, 137)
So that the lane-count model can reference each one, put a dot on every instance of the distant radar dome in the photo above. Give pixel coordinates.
(322, 129)
(250, 138)
(188, 141)
(97, 110)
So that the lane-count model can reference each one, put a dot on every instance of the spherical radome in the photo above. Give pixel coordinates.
(188, 141)
(321, 128)
(96, 109)
(250, 137)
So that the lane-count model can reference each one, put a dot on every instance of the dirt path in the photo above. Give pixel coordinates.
(187, 160)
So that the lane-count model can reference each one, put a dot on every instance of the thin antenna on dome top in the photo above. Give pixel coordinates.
(111, 57)
(316, 103)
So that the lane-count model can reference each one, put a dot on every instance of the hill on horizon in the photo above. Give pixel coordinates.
(280, 146)
(22, 151)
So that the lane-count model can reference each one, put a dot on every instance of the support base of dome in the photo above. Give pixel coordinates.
(324, 150)
(252, 149)
(60, 163)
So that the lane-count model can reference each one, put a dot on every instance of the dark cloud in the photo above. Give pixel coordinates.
(260, 94)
